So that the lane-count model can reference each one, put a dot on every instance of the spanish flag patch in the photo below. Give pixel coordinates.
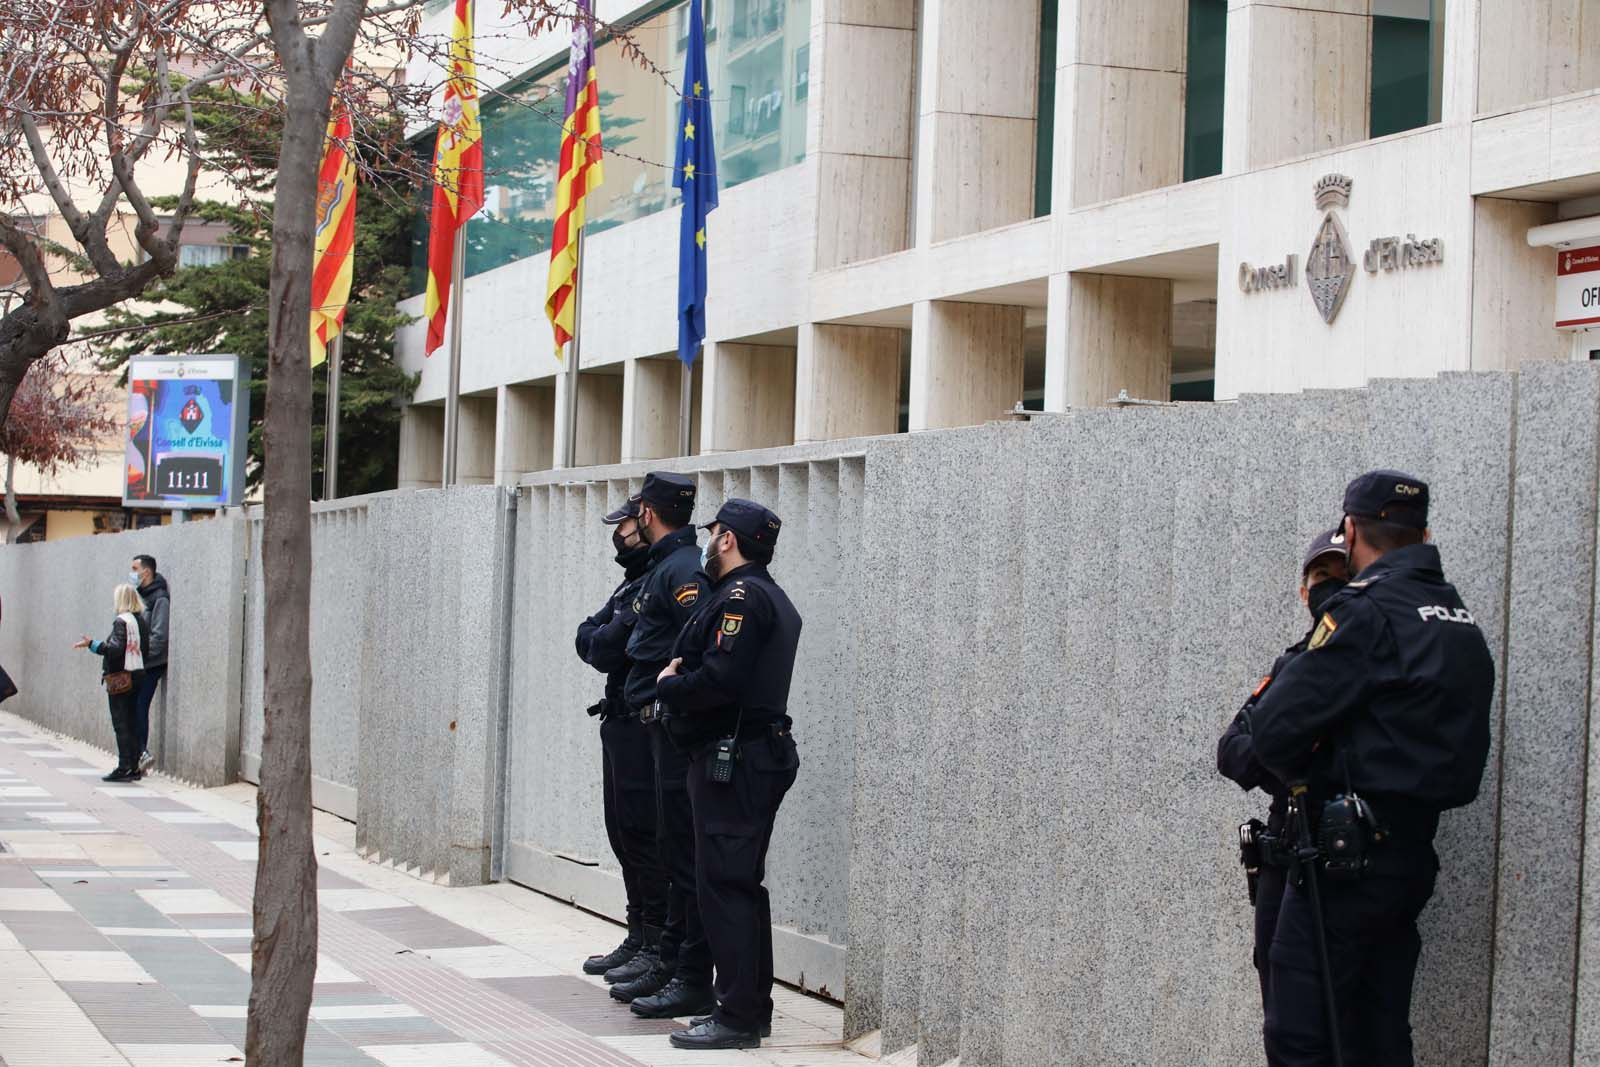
(1325, 628)
(686, 594)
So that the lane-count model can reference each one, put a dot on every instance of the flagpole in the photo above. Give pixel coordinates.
(685, 407)
(569, 447)
(452, 397)
(330, 432)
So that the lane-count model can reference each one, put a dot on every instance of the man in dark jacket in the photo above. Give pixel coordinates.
(1389, 703)
(158, 610)
(679, 981)
(1324, 571)
(628, 773)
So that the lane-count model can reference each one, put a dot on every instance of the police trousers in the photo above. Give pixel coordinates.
(629, 785)
(683, 941)
(733, 827)
(1269, 901)
(1373, 946)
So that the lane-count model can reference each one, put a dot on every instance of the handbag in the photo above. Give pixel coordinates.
(118, 682)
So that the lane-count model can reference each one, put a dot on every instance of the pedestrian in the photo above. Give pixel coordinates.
(121, 670)
(676, 981)
(628, 774)
(1385, 718)
(726, 693)
(1324, 570)
(158, 613)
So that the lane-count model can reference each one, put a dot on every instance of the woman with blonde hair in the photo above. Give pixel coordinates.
(121, 671)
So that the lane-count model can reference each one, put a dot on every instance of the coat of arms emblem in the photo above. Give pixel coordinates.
(1329, 267)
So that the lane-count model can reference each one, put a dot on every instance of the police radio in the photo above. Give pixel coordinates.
(720, 769)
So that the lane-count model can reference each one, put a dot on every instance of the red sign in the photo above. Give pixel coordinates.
(1578, 288)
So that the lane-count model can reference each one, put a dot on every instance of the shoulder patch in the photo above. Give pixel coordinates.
(737, 594)
(731, 623)
(1325, 628)
(1262, 688)
(686, 594)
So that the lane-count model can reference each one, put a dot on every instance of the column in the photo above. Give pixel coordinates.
(1119, 99)
(1298, 80)
(599, 417)
(1107, 334)
(847, 382)
(475, 445)
(749, 397)
(421, 447)
(650, 398)
(966, 363)
(978, 96)
(862, 72)
(1513, 287)
(525, 431)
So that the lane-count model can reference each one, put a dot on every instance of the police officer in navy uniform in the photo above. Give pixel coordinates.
(628, 773)
(727, 697)
(676, 979)
(1389, 702)
(1324, 570)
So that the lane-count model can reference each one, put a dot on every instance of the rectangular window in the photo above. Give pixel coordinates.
(209, 255)
(1406, 40)
(1045, 127)
(1202, 105)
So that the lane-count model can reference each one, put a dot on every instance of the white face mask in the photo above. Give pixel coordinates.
(134, 579)
(705, 553)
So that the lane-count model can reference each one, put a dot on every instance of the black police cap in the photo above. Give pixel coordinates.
(630, 510)
(666, 490)
(1327, 543)
(1392, 496)
(749, 519)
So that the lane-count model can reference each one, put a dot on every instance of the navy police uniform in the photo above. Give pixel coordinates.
(628, 773)
(733, 685)
(1389, 701)
(1236, 760)
(671, 588)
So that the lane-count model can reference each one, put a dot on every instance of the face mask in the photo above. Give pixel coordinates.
(134, 579)
(707, 559)
(1317, 596)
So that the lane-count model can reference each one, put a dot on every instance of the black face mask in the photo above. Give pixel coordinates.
(1317, 596)
(629, 555)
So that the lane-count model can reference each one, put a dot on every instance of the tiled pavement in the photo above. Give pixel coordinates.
(125, 940)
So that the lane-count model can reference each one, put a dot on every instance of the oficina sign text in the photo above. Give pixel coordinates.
(1330, 266)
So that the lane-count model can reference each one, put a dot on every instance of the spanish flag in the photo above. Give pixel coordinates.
(334, 262)
(457, 172)
(580, 171)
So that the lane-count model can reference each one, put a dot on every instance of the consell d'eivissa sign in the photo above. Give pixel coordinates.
(1578, 288)
(185, 432)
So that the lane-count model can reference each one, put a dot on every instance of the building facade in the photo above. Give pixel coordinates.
(936, 212)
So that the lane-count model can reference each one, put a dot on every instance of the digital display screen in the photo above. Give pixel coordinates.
(185, 433)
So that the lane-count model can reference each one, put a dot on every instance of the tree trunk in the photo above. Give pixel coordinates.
(284, 952)
(13, 516)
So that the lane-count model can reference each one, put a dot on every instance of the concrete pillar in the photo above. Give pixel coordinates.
(748, 392)
(1298, 80)
(1119, 99)
(525, 431)
(862, 72)
(650, 399)
(421, 447)
(599, 417)
(966, 363)
(1513, 287)
(1535, 49)
(978, 90)
(1107, 333)
(847, 382)
(476, 443)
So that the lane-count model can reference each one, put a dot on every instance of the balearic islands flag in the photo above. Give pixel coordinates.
(333, 266)
(457, 172)
(580, 171)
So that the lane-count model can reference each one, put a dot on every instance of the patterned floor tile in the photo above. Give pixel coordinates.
(140, 1014)
(190, 902)
(419, 928)
(358, 900)
(460, 1054)
(491, 961)
(54, 931)
(92, 966)
(180, 1055)
(581, 1006)
(39, 899)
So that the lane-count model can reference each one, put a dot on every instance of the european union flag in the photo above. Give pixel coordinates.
(695, 173)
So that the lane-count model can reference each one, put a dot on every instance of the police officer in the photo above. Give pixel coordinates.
(676, 980)
(1390, 701)
(1324, 570)
(727, 697)
(628, 773)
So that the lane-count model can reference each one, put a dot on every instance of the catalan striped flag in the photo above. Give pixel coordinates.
(457, 172)
(333, 265)
(580, 171)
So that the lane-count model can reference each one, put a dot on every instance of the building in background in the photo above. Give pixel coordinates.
(933, 212)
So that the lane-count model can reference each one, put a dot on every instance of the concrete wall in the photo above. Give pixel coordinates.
(55, 592)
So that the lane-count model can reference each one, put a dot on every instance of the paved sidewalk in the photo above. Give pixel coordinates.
(125, 940)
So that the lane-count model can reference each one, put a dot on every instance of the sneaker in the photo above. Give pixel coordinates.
(121, 774)
(146, 761)
(647, 984)
(677, 999)
(615, 958)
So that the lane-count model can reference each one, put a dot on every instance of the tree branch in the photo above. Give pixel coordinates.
(25, 247)
(91, 238)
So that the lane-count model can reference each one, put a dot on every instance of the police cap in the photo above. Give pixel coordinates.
(750, 520)
(629, 510)
(1327, 543)
(672, 494)
(1391, 496)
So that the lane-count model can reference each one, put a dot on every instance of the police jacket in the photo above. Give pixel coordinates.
(1236, 752)
(738, 660)
(671, 587)
(602, 640)
(1391, 694)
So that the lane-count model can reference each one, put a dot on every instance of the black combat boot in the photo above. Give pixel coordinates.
(648, 983)
(622, 953)
(701, 1020)
(712, 1034)
(675, 999)
(648, 954)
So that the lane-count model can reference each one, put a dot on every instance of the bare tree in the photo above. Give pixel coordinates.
(56, 421)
